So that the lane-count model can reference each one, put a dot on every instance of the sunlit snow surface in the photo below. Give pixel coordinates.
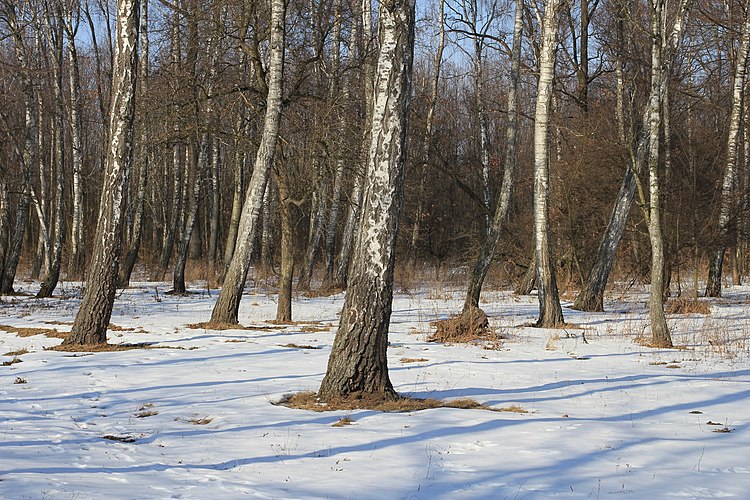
(607, 419)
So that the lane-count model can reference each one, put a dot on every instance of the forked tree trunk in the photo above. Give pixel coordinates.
(550, 312)
(487, 252)
(90, 325)
(726, 212)
(227, 305)
(358, 363)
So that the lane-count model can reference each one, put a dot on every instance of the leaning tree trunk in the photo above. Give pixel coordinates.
(90, 325)
(12, 251)
(240, 156)
(550, 312)
(487, 252)
(358, 362)
(227, 305)
(713, 287)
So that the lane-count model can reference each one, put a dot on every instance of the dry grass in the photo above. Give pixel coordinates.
(103, 347)
(12, 361)
(19, 352)
(116, 328)
(343, 422)
(513, 409)
(687, 306)
(147, 413)
(469, 326)
(310, 401)
(201, 421)
(209, 325)
(413, 360)
(30, 332)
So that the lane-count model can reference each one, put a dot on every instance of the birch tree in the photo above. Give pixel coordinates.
(550, 311)
(713, 286)
(357, 364)
(90, 325)
(227, 305)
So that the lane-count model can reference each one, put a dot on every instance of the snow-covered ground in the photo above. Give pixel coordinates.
(606, 419)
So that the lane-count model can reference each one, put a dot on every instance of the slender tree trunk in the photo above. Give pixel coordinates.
(659, 329)
(90, 325)
(191, 215)
(55, 35)
(358, 363)
(227, 305)
(284, 304)
(131, 255)
(550, 312)
(11, 249)
(487, 252)
(427, 138)
(726, 212)
(76, 256)
(238, 188)
(317, 212)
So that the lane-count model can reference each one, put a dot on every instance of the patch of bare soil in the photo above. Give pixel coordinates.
(402, 404)
(687, 306)
(470, 326)
(30, 332)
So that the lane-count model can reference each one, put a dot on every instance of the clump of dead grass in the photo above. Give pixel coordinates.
(413, 360)
(684, 305)
(343, 422)
(401, 404)
(19, 352)
(30, 332)
(212, 325)
(13, 361)
(470, 326)
(102, 347)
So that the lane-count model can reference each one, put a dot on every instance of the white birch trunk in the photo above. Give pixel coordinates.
(727, 209)
(550, 312)
(90, 325)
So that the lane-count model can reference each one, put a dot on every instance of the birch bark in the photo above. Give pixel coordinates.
(90, 325)
(358, 364)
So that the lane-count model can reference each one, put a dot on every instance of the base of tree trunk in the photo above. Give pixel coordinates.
(589, 302)
(472, 324)
(400, 404)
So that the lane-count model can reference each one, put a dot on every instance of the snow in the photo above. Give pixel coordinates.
(605, 419)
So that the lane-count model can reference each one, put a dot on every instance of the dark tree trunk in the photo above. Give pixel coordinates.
(284, 304)
(227, 305)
